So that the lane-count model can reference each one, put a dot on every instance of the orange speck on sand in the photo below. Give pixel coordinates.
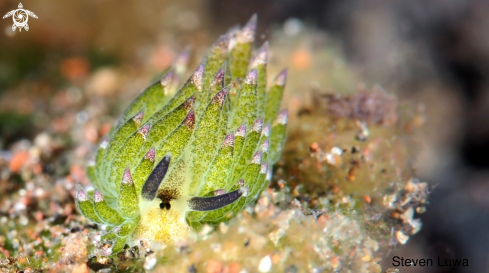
(396, 215)
(74, 68)
(37, 169)
(4, 252)
(234, 267)
(301, 59)
(105, 129)
(367, 199)
(314, 147)
(162, 57)
(91, 134)
(323, 218)
(214, 266)
(18, 160)
(351, 174)
(276, 258)
(334, 261)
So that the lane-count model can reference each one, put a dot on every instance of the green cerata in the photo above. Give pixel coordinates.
(182, 157)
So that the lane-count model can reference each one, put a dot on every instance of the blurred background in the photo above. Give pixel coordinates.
(98, 53)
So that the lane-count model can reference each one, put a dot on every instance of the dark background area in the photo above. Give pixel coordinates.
(433, 51)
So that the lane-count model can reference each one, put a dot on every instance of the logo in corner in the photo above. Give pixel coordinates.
(20, 16)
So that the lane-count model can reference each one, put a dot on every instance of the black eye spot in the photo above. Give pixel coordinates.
(165, 205)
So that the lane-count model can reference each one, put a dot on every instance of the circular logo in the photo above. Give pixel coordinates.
(20, 17)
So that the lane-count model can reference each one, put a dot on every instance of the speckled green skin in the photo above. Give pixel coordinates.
(246, 110)
(221, 129)
(259, 63)
(216, 177)
(250, 174)
(128, 194)
(274, 97)
(84, 204)
(249, 147)
(158, 93)
(106, 213)
(143, 169)
(170, 130)
(278, 136)
(204, 144)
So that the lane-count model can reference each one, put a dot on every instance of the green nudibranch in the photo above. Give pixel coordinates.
(179, 158)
